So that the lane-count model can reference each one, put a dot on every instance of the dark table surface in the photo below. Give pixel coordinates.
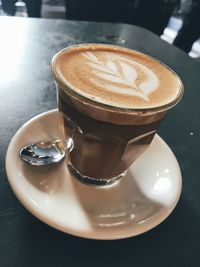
(27, 89)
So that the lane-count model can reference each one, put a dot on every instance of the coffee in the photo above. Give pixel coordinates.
(117, 77)
(112, 100)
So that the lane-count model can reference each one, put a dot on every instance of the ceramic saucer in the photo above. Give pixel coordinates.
(140, 201)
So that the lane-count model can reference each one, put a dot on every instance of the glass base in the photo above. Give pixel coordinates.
(94, 181)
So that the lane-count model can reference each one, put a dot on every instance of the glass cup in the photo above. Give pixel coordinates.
(104, 140)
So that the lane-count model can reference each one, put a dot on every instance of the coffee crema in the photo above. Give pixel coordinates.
(117, 77)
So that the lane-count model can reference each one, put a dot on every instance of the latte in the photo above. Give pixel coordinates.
(117, 77)
(112, 100)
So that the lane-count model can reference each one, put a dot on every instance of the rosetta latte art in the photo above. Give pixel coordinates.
(121, 75)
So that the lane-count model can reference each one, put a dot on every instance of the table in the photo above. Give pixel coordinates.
(27, 89)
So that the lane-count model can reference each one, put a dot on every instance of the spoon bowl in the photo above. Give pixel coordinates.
(43, 152)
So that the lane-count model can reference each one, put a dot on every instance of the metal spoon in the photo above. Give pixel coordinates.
(45, 152)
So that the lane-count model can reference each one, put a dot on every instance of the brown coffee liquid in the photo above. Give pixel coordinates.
(102, 150)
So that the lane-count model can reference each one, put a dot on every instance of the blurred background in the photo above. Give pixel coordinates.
(163, 17)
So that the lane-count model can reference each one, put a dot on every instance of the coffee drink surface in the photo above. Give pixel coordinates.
(117, 77)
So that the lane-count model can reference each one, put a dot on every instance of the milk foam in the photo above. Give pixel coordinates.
(116, 77)
(115, 72)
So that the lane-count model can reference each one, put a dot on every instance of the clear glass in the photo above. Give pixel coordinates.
(106, 139)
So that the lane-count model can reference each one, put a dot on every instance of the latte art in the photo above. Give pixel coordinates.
(123, 75)
(116, 76)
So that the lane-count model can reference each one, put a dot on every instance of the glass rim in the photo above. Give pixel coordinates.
(68, 87)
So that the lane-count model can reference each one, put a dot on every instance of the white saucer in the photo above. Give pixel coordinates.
(143, 199)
